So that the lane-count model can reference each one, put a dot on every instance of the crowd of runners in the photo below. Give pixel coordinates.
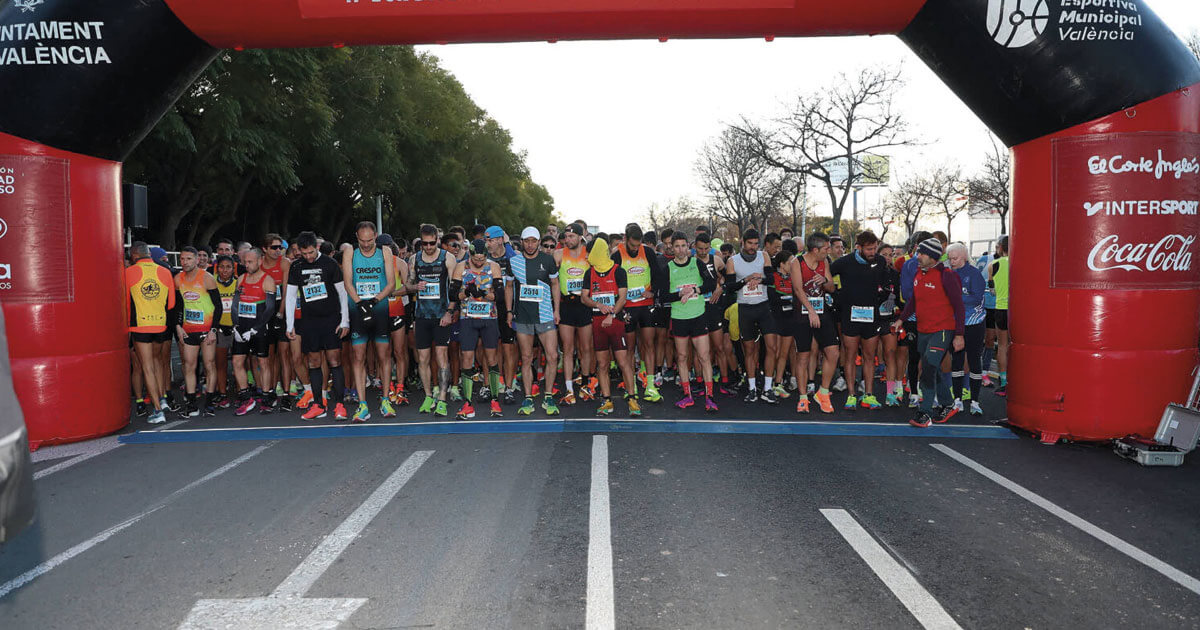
(482, 317)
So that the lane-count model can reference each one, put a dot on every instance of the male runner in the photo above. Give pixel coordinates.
(399, 313)
(575, 329)
(475, 282)
(500, 253)
(226, 287)
(316, 287)
(689, 283)
(372, 278)
(998, 279)
(276, 265)
(748, 274)
(813, 323)
(429, 280)
(604, 289)
(151, 292)
(201, 310)
(862, 274)
(718, 336)
(938, 304)
(636, 258)
(254, 303)
(535, 314)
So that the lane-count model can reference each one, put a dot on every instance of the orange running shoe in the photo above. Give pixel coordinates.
(824, 401)
(305, 400)
(802, 405)
(339, 412)
(314, 411)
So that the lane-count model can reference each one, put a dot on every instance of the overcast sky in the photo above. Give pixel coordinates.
(611, 127)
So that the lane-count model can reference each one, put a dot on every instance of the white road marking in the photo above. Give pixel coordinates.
(600, 614)
(82, 451)
(286, 606)
(1177, 576)
(904, 586)
(49, 565)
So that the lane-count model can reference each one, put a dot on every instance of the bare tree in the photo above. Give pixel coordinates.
(742, 186)
(991, 188)
(946, 193)
(906, 203)
(681, 214)
(1193, 43)
(848, 120)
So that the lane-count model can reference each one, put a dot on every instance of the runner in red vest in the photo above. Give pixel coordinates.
(937, 302)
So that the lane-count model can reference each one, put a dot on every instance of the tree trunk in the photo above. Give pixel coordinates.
(230, 213)
(1003, 223)
(176, 211)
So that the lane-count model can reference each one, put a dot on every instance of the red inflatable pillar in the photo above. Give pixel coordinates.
(1105, 272)
(60, 276)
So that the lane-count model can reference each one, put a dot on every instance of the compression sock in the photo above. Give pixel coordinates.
(468, 383)
(339, 383)
(314, 375)
(494, 382)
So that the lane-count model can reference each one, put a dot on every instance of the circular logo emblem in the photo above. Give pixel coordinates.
(575, 271)
(637, 270)
(191, 296)
(150, 290)
(3, 228)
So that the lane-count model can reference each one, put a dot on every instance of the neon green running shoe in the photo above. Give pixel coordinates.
(651, 394)
(427, 406)
(851, 402)
(362, 414)
(526, 408)
(386, 409)
(870, 402)
(441, 411)
(549, 406)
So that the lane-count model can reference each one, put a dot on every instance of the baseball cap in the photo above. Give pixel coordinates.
(157, 253)
(383, 240)
(530, 232)
(495, 232)
(574, 229)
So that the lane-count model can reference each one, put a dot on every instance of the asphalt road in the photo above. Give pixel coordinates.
(501, 531)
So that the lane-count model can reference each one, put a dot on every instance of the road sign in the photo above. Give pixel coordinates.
(870, 170)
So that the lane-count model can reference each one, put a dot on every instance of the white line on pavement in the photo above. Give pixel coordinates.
(49, 565)
(81, 451)
(1179, 577)
(903, 585)
(600, 614)
(326, 553)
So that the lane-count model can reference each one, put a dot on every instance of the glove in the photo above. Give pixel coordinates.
(237, 336)
(249, 333)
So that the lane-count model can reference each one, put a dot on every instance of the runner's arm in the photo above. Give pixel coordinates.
(953, 288)
(343, 306)
(348, 273)
(215, 297)
(290, 307)
(389, 278)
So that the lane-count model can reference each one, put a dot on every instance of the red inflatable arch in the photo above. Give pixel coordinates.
(1100, 103)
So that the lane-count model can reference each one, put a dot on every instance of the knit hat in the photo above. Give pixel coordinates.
(930, 247)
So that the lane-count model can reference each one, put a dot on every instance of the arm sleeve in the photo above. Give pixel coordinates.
(268, 311)
(973, 298)
(732, 284)
(953, 288)
(768, 276)
(290, 309)
(910, 307)
(708, 283)
(660, 282)
(344, 308)
(215, 296)
(906, 282)
(175, 313)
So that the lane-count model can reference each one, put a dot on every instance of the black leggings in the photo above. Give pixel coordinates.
(972, 354)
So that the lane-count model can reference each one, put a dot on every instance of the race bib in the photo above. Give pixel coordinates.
(227, 304)
(247, 309)
(756, 292)
(366, 289)
(862, 314)
(193, 316)
(574, 286)
(885, 309)
(479, 310)
(634, 294)
(817, 304)
(315, 292)
(432, 291)
(531, 293)
(786, 303)
(605, 299)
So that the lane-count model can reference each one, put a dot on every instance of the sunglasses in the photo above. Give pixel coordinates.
(547, 245)
(428, 243)
(455, 245)
(275, 247)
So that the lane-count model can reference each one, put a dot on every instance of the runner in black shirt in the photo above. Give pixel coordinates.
(315, 283)
(863, 276)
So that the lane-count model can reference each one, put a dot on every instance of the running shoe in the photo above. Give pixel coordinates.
(567, 400)
(141, 408)
(812, 388)
(246, 406)
(466, 412)
(209, 410)
(339, 412)
(158, 417)
(294, 389)
(751, 396)
(987, 380)
(484, 393)
(268, 405)
(352, 394)
(401, 397)
(427, 406)
(605, 408)
(591, 385)
(780, 392)
(946, 414)
(536, 389)
(170, 404)
(710, 405)
(870, 402)
(440, 410)
(362, 414)
(510, 396)
(792, 384)
(851, 403)
(966, 395)
(496, 410)
(527, 407)
(193, 408)
(386, 409)
(635, 409)
(824, 402)
(685, 402)
(976, 410)
(721, 390)
(651, 395)
(802, 405)
(377, 383)
(314, 411)
(279, 390)
(840, 384)
(913, 402)
(455, 393)
(642, 380)
(922, 421)
(958, 405)
(305, 400)
(768, 396)
(892, 400)
(223, 402)
(549, 406)
(285, 403)
(658, 379)
(1002, 391)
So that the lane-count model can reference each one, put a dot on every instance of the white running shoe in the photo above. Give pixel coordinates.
(958, 406)
(840, 384)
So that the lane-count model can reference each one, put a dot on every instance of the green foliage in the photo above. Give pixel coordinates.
(291, 140)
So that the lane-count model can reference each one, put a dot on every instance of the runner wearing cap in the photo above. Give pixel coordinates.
(503, 384)
(575, 327)
(534, 312)
(475, 282)
(938, 304)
